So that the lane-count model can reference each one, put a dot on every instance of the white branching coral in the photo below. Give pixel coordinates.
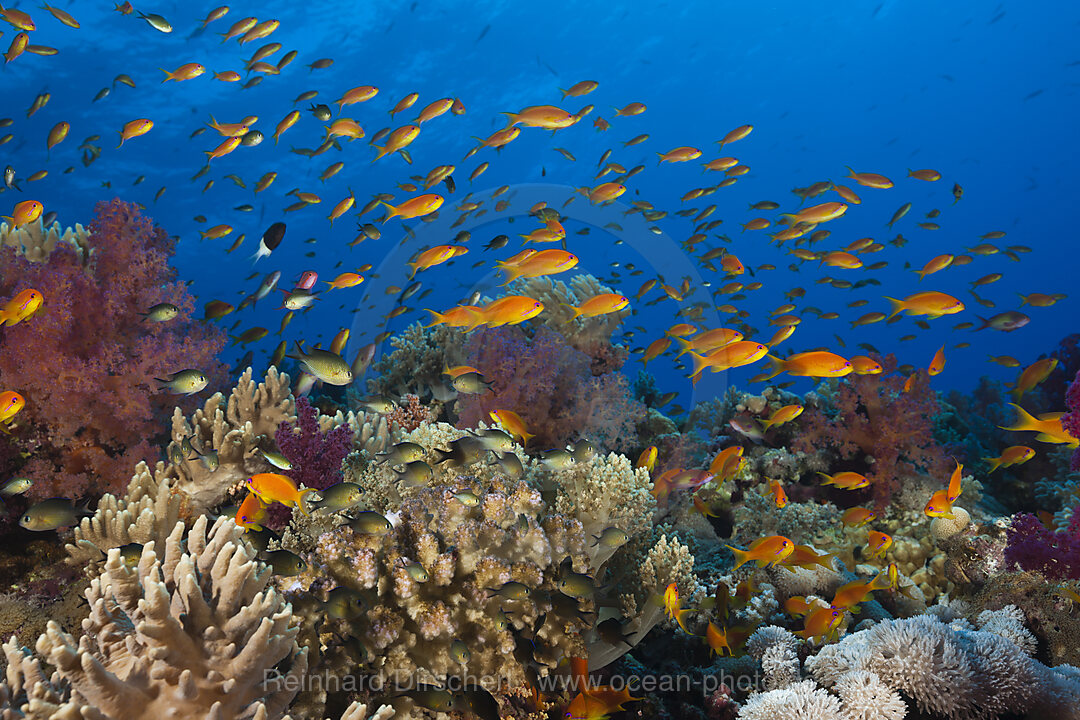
(192, 633)
(777, 651)
(801, 701)
(951, 671)
(865, 697)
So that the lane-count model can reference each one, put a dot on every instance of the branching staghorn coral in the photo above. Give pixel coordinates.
(192, 633)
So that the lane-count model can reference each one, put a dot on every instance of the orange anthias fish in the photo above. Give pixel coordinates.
(716, 639)
(673, 606)
(769, 550)
(511, 310)
(727, 462)
(513, 424)
(597, 703)
(870, 180)
(846, 480)
(134, 129)
(937, 364)
(597, 305)
(857, 516)
(435, 256)
(821, 623)
(344, 280)
(414, 207)
(647, 459)
(782, 415)
(1048, 426)
(187, 71)
(848, 596)
(20, 307)
(251, 512)
(931, 303)
(1012, 455)
(545, 262)
(24, 213)
(737, 354)
(274, 487)
(10, 404)
(877, 544)
(804, 556)
(1031, 376)
(940, 503)
(468, 317)
(776, 489)
(817, 363)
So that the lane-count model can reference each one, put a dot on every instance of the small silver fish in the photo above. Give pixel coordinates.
(324, 365)
(338, 497)
(16, 486)
(185, 382)
(49, 515)
(276, 459)
(370, 522)
(161, 312)
(557, 460)
(157, 22)
(415, 474)
(285, 563)
(403, 452)
(583, 451)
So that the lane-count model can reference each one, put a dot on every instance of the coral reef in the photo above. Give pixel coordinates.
(551, 386)
(192, 633)
(1033, 546)
(87, 363)
(876, 428)
(315, 455)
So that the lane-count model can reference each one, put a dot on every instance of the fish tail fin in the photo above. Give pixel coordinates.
(895, 307)
(686, 346)
(741, 556)
(994, 463)
(679, 615)
(575, 312)
(776, 366)
(1024, 421)
(850, 172)
(984, 321)
(393, 210)
(301, 500)
(380, 152)
(700, 363)
(168, 75)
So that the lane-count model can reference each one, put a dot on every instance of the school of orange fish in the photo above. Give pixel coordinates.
(803, 232)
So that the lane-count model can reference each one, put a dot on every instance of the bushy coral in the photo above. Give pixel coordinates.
(1070, 421)
(875, 424)
(551, 386)
(1032, 546)
(315, 456)
(86, 363)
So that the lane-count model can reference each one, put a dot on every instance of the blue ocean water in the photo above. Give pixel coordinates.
(985, 93)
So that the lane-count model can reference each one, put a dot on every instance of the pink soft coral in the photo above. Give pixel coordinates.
(552, 387)
(875, 418)
(86, 363)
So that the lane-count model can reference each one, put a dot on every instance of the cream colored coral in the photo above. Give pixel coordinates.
(234, 428)
(558, 297)
(194, 632)
(35, 243)
(606, 492)
(943, 528)
(147, 512)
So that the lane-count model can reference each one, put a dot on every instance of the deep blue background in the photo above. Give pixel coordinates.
(985, 93)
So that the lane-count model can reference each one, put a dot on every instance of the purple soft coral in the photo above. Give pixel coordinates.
(316, 457)
(1070, 421)
(551, 386)
(86, 363)
(878, 419)
(1034, 547)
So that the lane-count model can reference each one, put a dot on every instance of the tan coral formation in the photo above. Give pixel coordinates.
(35, 242)
(194, 632)
(147, 512)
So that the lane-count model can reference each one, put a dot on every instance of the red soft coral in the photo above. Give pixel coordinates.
(875, 418)
(86, 363)
(551, 386)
